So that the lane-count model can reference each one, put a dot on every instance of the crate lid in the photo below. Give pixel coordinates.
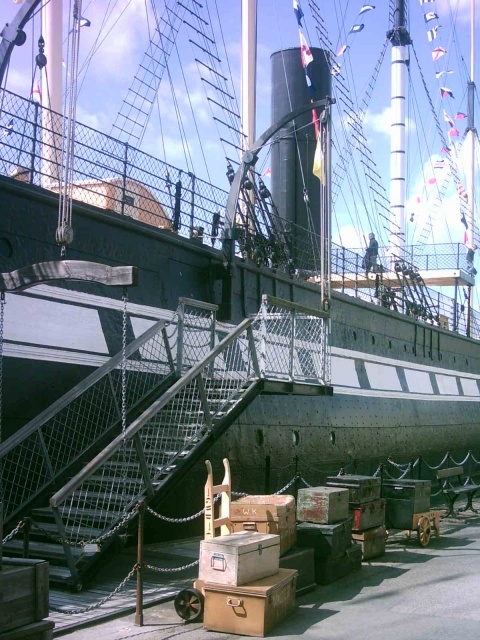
(261, 588)
(240, 542)
(280, 505)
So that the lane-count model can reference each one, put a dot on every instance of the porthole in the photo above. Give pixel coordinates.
(354, 335)
(389, 344)
(332, 437)
(296, 438)
(259, 437)
(6, 249)
(373, 339)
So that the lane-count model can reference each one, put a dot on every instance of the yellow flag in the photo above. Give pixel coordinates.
(319, 162)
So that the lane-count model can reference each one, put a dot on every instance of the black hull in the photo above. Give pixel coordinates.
(401, 388)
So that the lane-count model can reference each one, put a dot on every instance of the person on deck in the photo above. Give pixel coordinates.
(371, 254)
(470, 258)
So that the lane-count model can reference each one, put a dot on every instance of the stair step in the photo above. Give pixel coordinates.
(81, 532)
(45, 550)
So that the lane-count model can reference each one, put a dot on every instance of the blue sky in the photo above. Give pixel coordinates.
(115, 63)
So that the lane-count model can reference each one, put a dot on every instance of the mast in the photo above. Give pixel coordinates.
(52, 30)
(249, 71)
(470, 137)
(400, 38)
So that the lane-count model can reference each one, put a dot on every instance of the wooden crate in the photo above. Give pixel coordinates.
(416, 492)
(239, 558)
(252, 609)
(326, 539)
(361, 488)
(372, 542)
(42, 630)
(328, 570)
(266, 514)
(23, 592)
(368, 515)
(303, 561)
(323, 505)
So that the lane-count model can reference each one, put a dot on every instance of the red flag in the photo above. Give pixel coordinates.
(438, 52)
(460, 116)
(461, 192)
(446, 93)
(431, 180)
(453, 132)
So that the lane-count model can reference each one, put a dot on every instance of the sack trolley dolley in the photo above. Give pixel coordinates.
(423, 523)
(189, 602)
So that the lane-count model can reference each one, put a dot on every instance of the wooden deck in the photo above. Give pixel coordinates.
(158, 587)
(437, 277)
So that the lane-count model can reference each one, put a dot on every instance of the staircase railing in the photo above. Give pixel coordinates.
(49, 445)
(136, 464)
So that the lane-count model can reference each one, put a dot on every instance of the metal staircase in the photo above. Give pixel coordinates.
(213, 381)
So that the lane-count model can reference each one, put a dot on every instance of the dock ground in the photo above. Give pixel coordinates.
(410, 593)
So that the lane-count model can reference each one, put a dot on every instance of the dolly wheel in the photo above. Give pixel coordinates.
(189, 605)
(424, 531)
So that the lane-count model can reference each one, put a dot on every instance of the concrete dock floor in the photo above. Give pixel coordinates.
(411, 593)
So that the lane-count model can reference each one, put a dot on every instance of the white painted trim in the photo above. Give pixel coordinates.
(406, 364)
(31, 352)
(401, 395)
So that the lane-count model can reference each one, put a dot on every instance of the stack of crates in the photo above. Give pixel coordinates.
(246, 591)
(367, 510)
(325, 525)
(276, 514)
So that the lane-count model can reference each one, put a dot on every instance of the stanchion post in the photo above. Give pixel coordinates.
(26, 537)
(419, 467)
(139, 603)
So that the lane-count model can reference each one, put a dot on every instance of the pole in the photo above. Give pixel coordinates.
(400, 38)
(139, 601)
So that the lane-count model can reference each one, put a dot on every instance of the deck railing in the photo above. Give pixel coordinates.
(113, 175)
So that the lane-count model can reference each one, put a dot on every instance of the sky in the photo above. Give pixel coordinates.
(122, 40)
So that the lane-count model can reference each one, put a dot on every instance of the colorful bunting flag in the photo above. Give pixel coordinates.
(422, 2)
(453, 132)
(305, 53)
(36, 94)
(297, 9)
(318, 169)
(336, 68)
(439, 74)
(444, 92)
(356, 28)
(365, 8)
(8, 129)
(431, 180)
(447, 118)
(342, 50)
(432, 33)
(439, 164)
(460, 116)
(445, 150)
(461, 192)
(431, 15)
(267, 172)
(85, 22)
(438, 52)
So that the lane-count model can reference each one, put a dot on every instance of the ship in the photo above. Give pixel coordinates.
(126, 281)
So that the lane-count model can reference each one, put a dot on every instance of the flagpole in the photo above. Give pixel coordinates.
(399, 38)
(470, 182)
(249, 71)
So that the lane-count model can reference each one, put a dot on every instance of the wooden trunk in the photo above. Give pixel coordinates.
(326, 539)
(417, 492)
(239, 558)
(266, 514)
(361, 488)
(23, 592)
(42, 630)
(399, 514)
(253, 609)
(368, 515)
(328, 570)
(322, 505)
(372, 542)
(303, 561)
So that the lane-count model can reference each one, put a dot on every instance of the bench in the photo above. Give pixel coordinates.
(454, 485)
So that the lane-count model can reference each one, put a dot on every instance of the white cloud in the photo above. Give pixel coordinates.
(382, 122)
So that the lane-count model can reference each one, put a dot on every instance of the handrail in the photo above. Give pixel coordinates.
(137, 424)
(77, 391)
(294, 306)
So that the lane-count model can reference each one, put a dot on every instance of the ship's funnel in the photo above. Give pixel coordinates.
(294, 147)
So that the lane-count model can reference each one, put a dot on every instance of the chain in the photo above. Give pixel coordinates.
(14, 532)
(305, 482)
(124, 388)
(102, 601)
(175, 520)
(172, 570)
(2, 317)
(289, 484)
(71, 543)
